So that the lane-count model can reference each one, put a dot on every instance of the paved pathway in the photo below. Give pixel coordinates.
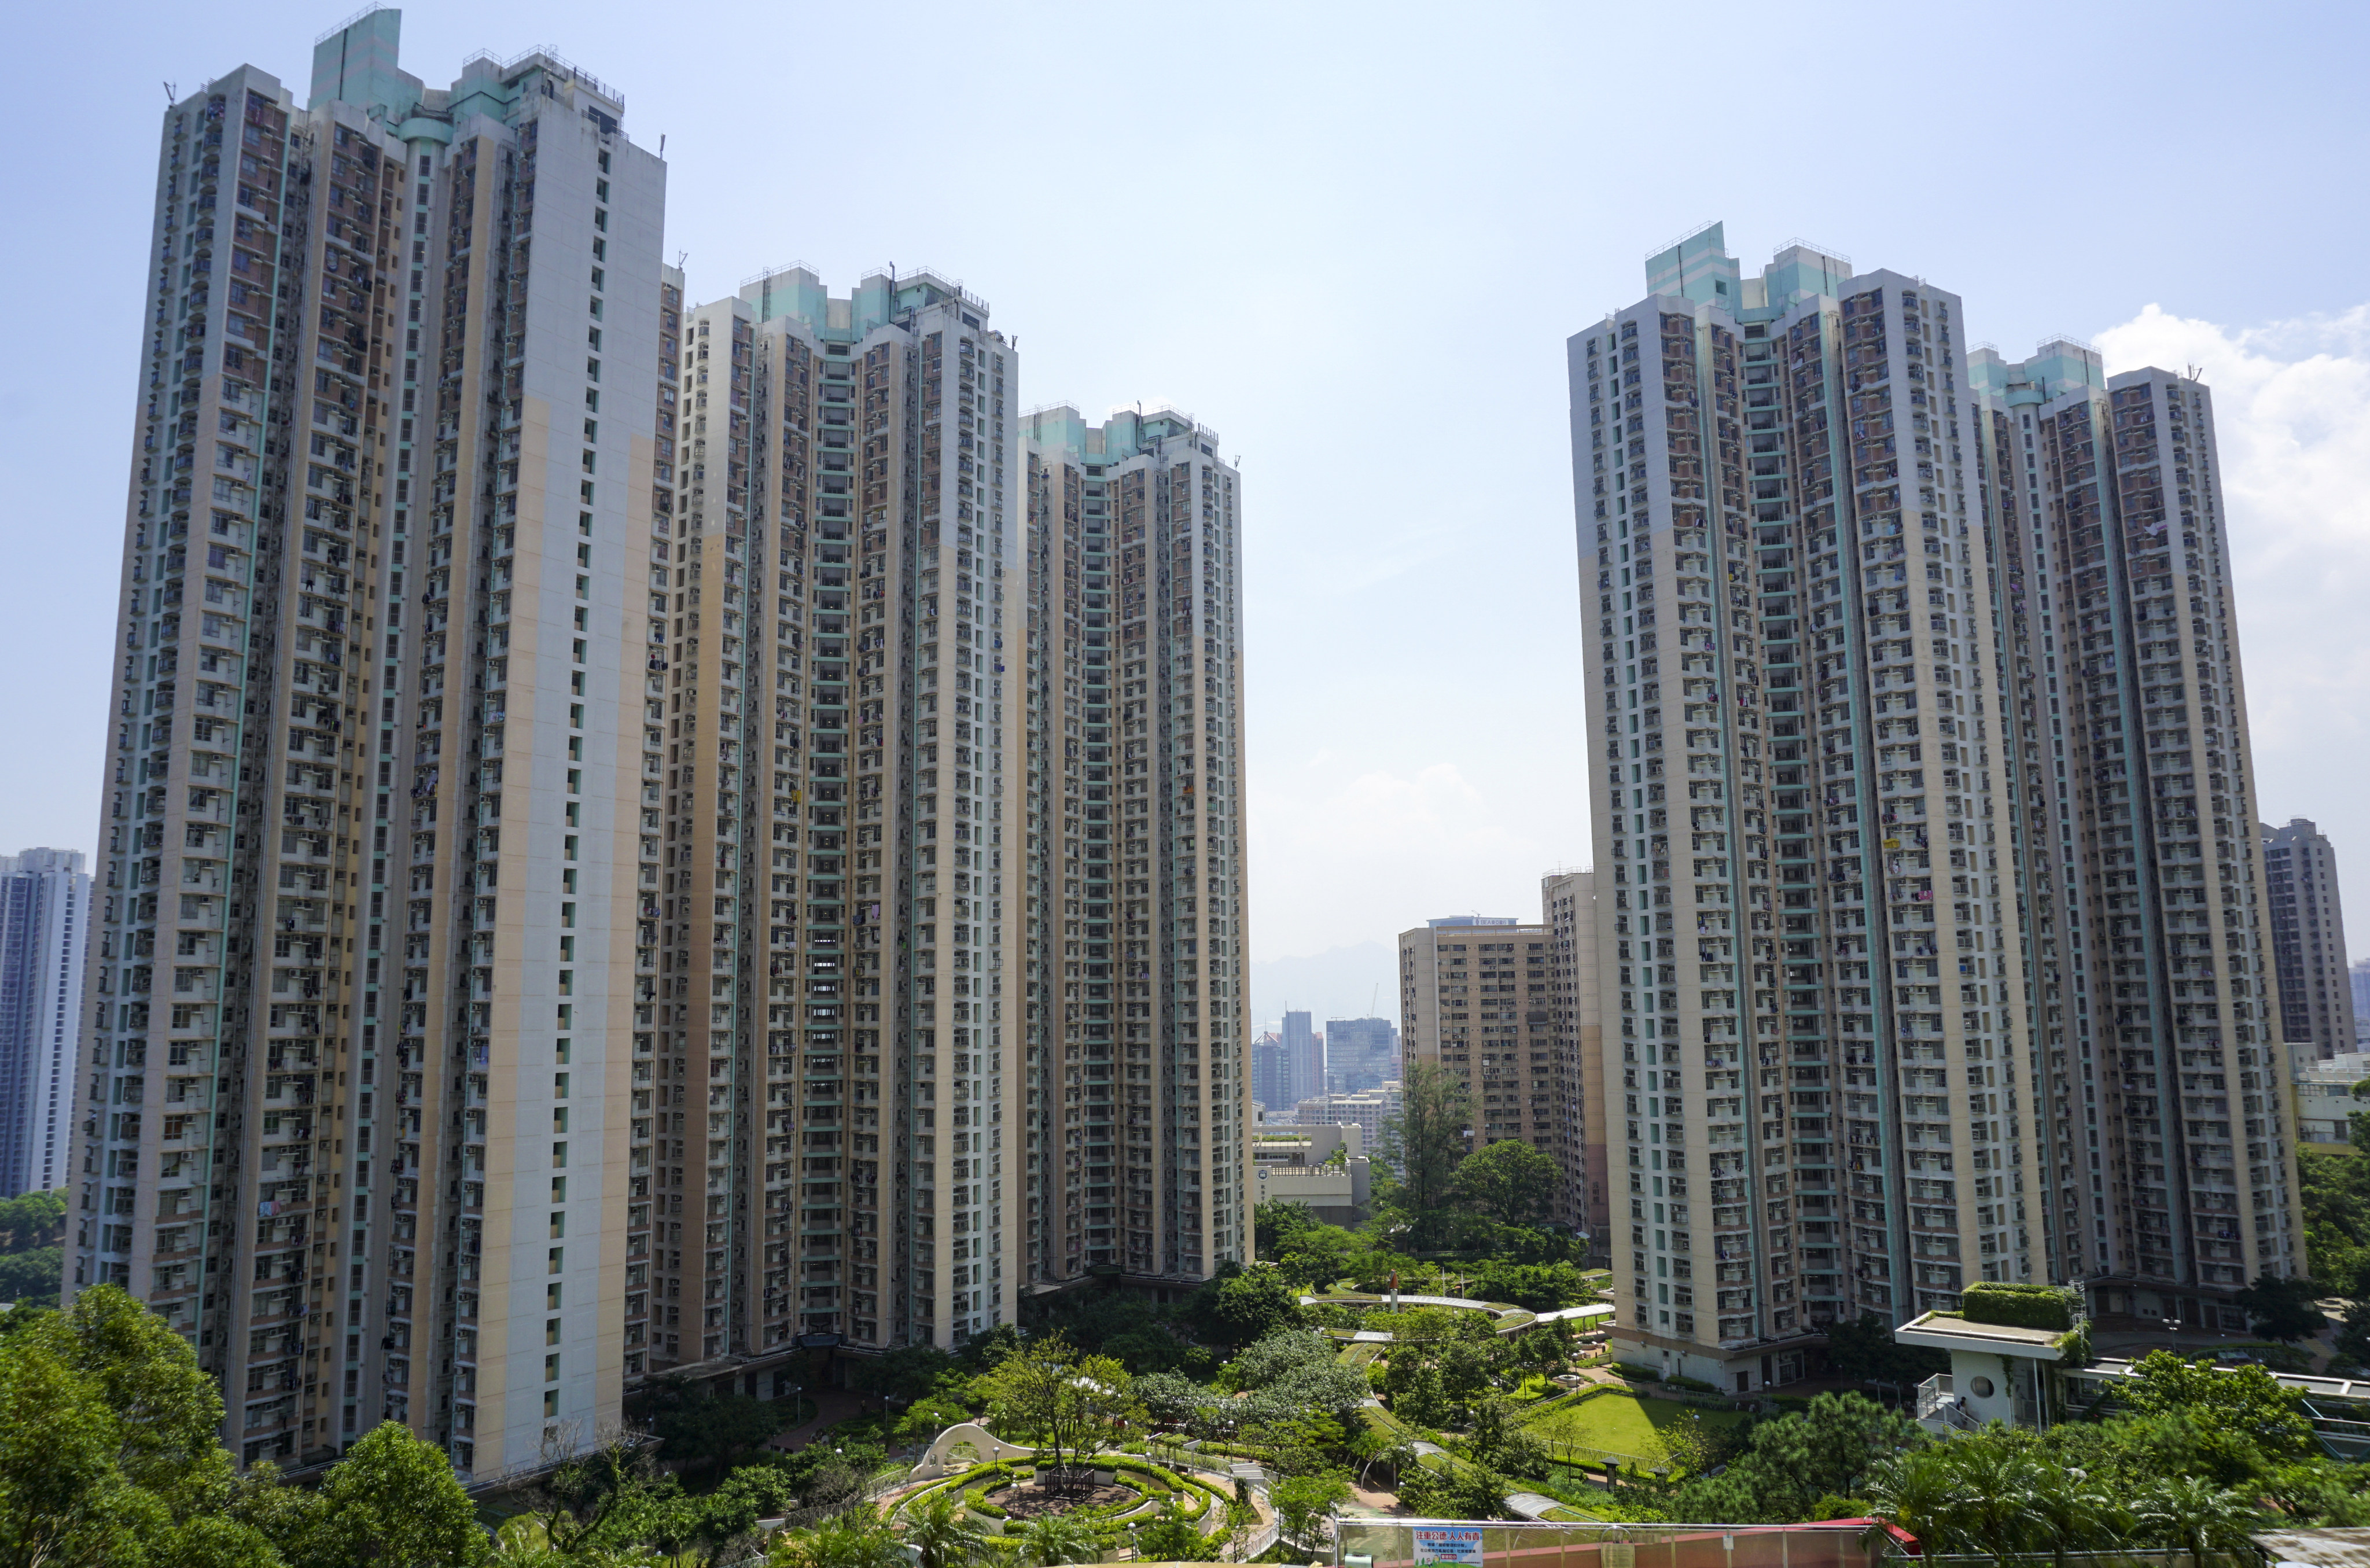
(832, 1406)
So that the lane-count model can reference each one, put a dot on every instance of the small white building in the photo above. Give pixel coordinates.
(1321, 1166)
(1997, 1373)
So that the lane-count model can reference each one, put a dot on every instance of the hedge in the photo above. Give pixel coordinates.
(2017, 1306)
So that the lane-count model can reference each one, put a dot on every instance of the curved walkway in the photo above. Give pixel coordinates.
(1510, 1319)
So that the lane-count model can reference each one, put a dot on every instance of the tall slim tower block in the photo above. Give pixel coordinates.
(1574, 1006)
(376, 829)
(2307, 922)
(1810, 970)
(2157, 1064)
(1139, 1046)
(44, 942)
(835, 609)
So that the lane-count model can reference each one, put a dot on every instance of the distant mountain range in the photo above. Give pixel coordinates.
(1345, 982)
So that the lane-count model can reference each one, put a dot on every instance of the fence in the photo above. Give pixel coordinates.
(1401, 1543)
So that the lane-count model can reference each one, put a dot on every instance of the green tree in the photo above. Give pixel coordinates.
(939, 1529)
(395, 1500)
(907, 1373)
(108, 1448)
(32, 1221)
(2336, 1192)
(1046, 1394)
(750, 1493)
(577, 1500)
(1054, 1539)
(710, 1429)
(2194, 1514)
(1463, 1492)
(856, 1538)
(1464, 1372)
(2246, 1401)
(2354, 1333)
(1828, 1449)
(33, 1275)
(1274, 1224)
(2284, 1309)
(62, 1498)
(1240, 1307)
(1864, 1348)
(1412, 1385)
(1316, 1257)
(1423, 1145)
(1497, 1439)
(1170, 1538)
(1509, 1182)
(1303, 1501)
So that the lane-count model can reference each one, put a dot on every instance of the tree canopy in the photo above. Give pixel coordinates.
(1508, 1181)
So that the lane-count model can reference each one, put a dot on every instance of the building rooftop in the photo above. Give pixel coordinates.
(1942, 1331)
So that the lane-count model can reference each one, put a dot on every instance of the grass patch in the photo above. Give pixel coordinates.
(1617, 1422)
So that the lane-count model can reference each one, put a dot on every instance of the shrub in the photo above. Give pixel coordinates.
(2017, 1306)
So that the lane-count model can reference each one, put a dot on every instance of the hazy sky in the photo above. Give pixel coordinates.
(1353, 239)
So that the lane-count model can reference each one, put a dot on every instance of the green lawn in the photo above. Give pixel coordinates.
(1622, 1424)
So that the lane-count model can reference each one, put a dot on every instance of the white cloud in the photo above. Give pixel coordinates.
(2292, 414)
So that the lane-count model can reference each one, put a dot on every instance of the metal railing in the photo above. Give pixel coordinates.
(1406, 1543)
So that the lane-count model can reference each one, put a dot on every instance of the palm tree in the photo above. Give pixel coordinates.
(940, 1528)
(1056, 1539)
(857, 1538)
(2196, 1517)
(2075, 1514)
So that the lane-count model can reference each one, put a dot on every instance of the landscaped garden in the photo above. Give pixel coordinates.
(1613, 1424)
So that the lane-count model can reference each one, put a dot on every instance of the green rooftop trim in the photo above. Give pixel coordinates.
(2018, 1306)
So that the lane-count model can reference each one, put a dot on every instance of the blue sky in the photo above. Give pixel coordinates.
(1353, 239)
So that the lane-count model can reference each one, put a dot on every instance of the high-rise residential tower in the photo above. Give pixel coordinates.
(1838, 1090)
(1138, 1027)
(1795, 813)
(361, 1023)
(2156, 1058)
(1476, 996)
(45, 922)
(830, 1125)
(2307, 922)
(1569, 902)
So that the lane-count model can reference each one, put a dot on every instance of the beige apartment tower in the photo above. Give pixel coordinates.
(360, 1024)
(1820, 785)
(1138, 1027)
(1814, 1001)
(1575, 1000)
(1479, 997)
(2307, 922)
(2158, 1064)
(837, 927)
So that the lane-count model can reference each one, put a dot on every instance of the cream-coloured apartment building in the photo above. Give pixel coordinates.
(1478, 998)
(1827, 815)
(360, 1032)
(1138, 1044)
